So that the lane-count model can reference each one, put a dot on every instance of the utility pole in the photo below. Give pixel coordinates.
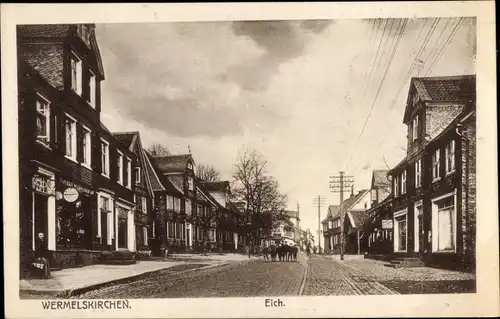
(338, 184)
(319, 202)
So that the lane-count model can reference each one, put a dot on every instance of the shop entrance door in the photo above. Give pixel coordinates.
(40, 215)
(122, 233)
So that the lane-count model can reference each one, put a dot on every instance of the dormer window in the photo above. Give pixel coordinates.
(415, 127)
(92, 89)
(76, 73)
(190, 165)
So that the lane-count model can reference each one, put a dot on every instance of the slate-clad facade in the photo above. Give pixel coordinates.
(434, 186)
(75, 177)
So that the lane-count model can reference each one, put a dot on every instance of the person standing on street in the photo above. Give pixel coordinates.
(42, 256)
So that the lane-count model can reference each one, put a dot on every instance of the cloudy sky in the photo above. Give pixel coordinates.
(315, 97)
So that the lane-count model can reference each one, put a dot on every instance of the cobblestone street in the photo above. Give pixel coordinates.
(241, 279)
(317, 275)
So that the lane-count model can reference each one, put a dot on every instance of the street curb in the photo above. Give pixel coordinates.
(66, 293)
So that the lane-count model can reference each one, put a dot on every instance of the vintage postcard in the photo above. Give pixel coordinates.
(250, 160)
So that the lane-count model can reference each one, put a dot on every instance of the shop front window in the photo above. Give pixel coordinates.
(74, 224)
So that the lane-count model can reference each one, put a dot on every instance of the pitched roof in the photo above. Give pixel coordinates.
(220, 186)
(351, 201)
(380, 178)
(172, 163)
(358, 218)
(441, 88)
(292, 214)
(47, 60)
(43, 30)
(159, 182)
(446, 88)
(333, 211)
(127, 139)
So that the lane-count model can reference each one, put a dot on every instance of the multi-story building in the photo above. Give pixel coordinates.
(434, 185)
(76, 179)
(172, 180)
(143, 191)
(331, 229)
(352, 207)
(379, 227)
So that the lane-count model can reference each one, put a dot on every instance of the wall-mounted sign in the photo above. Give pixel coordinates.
(386, 223)
(59, 195)
(71, 194)
(79, 188)
(43, 184)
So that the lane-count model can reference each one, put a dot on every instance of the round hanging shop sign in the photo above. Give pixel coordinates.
(71, 195)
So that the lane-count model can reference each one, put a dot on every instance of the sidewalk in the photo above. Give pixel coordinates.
(75, 280)
(72, 281)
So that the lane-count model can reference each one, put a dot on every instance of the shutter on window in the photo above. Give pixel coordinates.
(62, 132)
(112, 163)
(96, 152)
(53, 126)
(124, 169)
(79, 143)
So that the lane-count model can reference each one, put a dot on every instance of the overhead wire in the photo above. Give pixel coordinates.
(394, 49)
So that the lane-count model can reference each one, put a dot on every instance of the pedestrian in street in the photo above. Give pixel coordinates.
(42, 254)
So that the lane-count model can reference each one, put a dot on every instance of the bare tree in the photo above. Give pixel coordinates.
(207, 173)
(158, 150)
(259, 191)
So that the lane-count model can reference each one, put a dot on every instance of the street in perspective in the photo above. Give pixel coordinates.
(247, 158)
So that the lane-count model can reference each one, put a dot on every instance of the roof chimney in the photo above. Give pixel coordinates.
(352, 191)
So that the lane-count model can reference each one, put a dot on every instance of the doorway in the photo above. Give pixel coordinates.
(122, 233)
(40, 216)
(419, 230)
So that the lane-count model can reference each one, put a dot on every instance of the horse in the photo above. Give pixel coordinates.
(281, 252)
(265, 253)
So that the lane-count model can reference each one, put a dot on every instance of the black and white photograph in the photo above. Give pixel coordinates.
(262, 158)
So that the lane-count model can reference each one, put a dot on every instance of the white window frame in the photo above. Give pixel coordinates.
(435, 224)
(415, 127)
(144, 204)
(398, 214)
(403, 182)
(92, 88)
(73, 138)
(42, 101)
(110, 218)
(188, 203)
(78, 77)
(450, 155)
(129, 172)
(105, 165)
(436, 165)
(396, 185)
(137, 175)
(145, 234)
(169, 202)
(417, 207)
(418, 173)
(190, 183)
(87, 147)
(120, 170)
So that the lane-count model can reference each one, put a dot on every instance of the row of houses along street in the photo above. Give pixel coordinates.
(422, 211)
(89, 191)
